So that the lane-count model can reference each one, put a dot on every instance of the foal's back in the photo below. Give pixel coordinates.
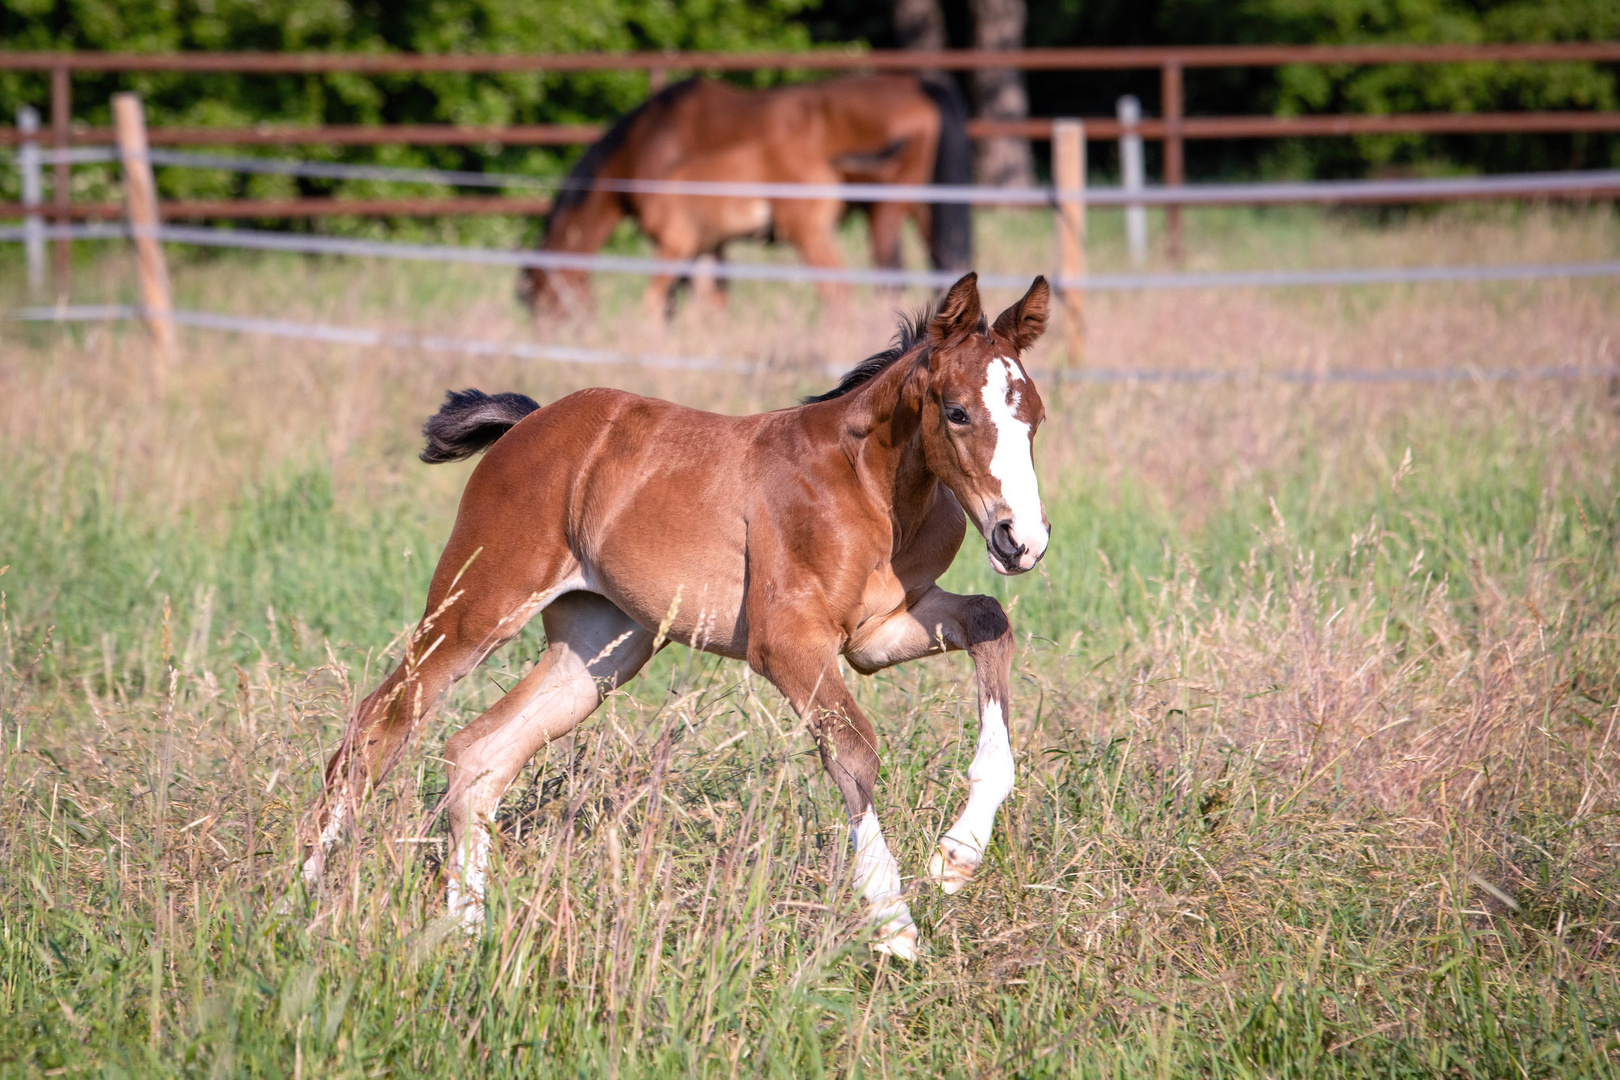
(640, 500)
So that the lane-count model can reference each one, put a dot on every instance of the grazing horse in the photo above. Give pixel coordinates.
(786, 539)
(880, 129)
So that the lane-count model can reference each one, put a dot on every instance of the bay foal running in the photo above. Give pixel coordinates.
(791, 538)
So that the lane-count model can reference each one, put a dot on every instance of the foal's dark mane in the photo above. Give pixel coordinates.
(911, 331)
(577, 186)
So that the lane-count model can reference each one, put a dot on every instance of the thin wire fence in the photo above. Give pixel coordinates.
(372, 338)
(791, 273)
(1594, 183)
(1071, 283)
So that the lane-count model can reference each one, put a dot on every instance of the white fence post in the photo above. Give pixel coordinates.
(1132, 175)
(28, 163)
(1069, 179)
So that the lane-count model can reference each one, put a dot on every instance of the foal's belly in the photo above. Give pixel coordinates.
(680, 566)
(695, 605)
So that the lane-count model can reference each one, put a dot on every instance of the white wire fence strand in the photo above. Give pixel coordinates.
(1584, 183)
(364, 337)
(77, 155)
(295, 243)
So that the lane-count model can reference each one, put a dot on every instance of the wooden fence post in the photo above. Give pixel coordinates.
(140, 193)
(1069, 178)
(28, 164)
(1175, 164)
(62, 176)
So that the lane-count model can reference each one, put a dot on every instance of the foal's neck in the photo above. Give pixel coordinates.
(885, 416)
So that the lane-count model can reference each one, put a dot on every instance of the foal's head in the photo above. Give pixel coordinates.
(980, 411)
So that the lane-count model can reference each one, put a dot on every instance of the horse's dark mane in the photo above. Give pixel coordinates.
(911, 331)
(577, 186)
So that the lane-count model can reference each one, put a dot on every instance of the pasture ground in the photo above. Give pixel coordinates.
(1314, 709)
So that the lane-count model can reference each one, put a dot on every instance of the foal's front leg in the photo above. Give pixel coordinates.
(938, 621)
(809, 678)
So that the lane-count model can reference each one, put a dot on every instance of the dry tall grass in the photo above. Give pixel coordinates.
(1314, 715)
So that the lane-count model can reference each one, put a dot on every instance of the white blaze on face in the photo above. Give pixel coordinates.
(1012, 463)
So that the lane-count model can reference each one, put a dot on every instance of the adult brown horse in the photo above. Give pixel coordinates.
(882, 129)
(786, 539)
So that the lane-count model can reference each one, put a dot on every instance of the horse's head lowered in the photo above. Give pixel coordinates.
(980, 412)
(553, 292)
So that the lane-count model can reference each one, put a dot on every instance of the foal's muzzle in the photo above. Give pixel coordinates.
(1006, 550)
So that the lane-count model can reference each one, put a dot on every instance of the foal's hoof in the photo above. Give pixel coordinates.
(954, 864)
(902, 944)
(465, 910)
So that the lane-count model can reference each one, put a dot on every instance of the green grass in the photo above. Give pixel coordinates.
(1316, 767)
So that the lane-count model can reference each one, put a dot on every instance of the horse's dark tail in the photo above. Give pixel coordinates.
(470, 421)
(951, 245)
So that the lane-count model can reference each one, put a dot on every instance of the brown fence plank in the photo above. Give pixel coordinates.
(1091, 59)
(1282, 127)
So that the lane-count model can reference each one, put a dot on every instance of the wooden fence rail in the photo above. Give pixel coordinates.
(1172, 127)
(1093, 59)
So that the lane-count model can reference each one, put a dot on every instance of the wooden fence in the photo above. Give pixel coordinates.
(1172, 127)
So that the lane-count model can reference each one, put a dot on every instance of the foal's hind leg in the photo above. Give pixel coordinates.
(591, 647)
(468, 618)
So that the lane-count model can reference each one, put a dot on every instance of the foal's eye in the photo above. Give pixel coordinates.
(956, 414)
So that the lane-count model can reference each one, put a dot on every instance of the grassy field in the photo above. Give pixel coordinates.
(1314, 705)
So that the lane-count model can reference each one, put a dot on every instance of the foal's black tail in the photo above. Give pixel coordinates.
(951, 245)
(470, 421)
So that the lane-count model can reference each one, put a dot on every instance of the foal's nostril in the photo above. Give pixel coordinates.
(1002, 543)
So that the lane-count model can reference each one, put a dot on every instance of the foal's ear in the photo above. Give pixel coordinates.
(959, 313)
(1025, 321)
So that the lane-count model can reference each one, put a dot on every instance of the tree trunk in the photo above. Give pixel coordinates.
(999, 94)
(919, 24)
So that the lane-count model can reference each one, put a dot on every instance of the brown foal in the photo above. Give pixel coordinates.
(786, 539)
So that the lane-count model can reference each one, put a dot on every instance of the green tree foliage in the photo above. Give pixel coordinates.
(1377, 89)
(1351, 89)
(373, 26)
(467, 26)
(1429, 87)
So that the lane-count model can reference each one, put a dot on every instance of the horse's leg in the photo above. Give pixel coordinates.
(807, 675)
(705, 292)
(884, 221)
(668, 220)
(938, 621)
(922, 215)
(809, 225)
(591, 648)
(471, 613)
